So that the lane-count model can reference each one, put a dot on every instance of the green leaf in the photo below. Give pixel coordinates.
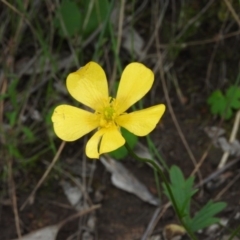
(122, 152)
(233, 97)
(12, 118)
(97, 15)
(182, 190)
(28, 134)
(205, 217)
(218, 104)
(12, 92)
(14, 152)
(68, 17)
(83, 18)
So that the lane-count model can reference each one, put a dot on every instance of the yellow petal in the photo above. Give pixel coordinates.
(141, 122)
(71, 123)
(88, 85)
(103, 141)
(111, 140)
(93, 144)
(135, 82)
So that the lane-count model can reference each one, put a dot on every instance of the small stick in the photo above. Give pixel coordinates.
(12, 192)
(231, 9)
(231, 140)
(79, 214)
(227, 187)
(30, 198)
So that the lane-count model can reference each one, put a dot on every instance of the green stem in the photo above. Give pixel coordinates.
(158, 169)
(156, 176)
(234, 233)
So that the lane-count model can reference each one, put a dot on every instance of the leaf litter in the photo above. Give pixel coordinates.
(125, 180)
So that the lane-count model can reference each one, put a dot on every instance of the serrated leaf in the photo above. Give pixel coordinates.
(176, 176)
(233, 97)
(219, 105)
(182, 189)
(122, 152)
(205, 216)
(217, 102)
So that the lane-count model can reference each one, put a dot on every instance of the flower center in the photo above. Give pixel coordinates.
(108, 114)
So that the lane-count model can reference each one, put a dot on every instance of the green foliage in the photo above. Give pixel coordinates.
(204, 217)
(183, 191)
(12, 92)
(28, 134)
(80, 19)
(12, 118)
(223, 105)
(122, 152)
(70, 18)
(14, 151)
(181, 188)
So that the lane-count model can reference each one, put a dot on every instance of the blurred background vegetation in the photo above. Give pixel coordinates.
(192, 47)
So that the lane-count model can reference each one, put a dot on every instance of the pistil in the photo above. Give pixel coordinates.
(108, 114)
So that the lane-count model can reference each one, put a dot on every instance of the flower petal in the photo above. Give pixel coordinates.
(93, 144)
(143, 121)
(111, 140)
(135, 82)
(71, 123)
(88, 85)
(103, 141)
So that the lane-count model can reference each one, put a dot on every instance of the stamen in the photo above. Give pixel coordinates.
(108, 114)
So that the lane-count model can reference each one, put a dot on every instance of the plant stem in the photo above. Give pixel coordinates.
(234, 233)
(156, 176)
(158, 169)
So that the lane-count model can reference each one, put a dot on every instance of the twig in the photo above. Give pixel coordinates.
(152, 37)
(152, 223)
(194, 19)
(119, 40)
(231, 9)
(2, 91)
(159, 212)
(30, 198)
(79, 214)
(218, 37)
(12, 193)
(179, 92)
(231, 140)
(217, 172)
(164, 84)
(227, 187)
(21, 15)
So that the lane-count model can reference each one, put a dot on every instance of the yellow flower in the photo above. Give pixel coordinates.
(89, 86)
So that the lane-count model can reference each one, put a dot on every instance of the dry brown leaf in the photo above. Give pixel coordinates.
(171, 231)
(123, 179)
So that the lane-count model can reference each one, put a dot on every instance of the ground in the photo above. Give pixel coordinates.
(122, 215)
